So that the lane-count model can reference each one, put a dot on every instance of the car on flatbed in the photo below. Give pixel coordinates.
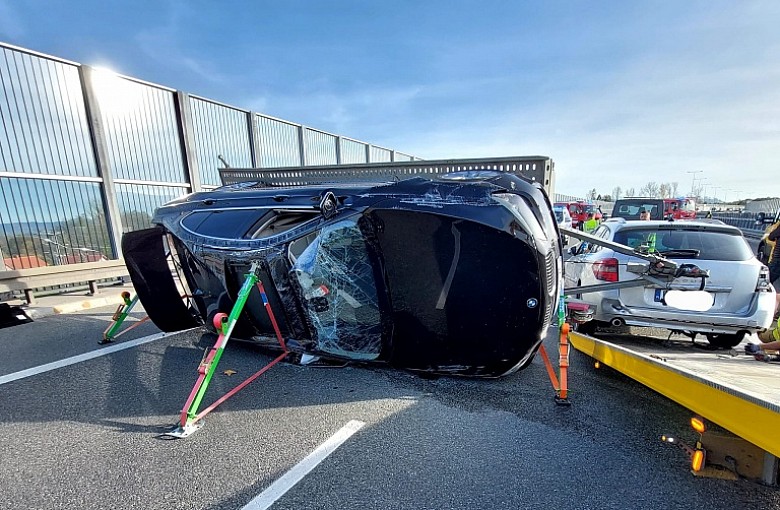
(740, 297)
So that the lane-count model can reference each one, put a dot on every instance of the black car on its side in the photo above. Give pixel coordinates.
(454, 274)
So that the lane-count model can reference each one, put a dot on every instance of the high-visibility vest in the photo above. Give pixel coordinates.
(651, 238)
(590, 225)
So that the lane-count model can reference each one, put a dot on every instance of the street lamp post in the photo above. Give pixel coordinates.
(693, 180)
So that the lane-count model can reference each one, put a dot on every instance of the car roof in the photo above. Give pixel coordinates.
(639, 199)
(695, 224)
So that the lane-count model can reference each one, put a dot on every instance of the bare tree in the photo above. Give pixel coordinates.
(630, 192)
(617, 192)
(651, 189)
(665, 190)
(592, 194)
(674, 189)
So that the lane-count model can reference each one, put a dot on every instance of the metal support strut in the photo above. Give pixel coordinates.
(121, 313)
(190, 419)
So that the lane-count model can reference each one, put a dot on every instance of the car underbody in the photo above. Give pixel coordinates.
(451, 275)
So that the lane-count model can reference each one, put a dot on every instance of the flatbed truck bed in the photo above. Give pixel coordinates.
(728, 388)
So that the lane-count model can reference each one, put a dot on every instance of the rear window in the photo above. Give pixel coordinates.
(688, 205)
(590, 208)
(629, 208)
(710, 245)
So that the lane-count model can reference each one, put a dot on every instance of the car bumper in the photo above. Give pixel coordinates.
(758, 317)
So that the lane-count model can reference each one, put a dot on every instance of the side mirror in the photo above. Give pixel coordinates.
(760, 218)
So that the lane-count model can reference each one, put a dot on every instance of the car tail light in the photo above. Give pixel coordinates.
(606, 270)
(763, 284)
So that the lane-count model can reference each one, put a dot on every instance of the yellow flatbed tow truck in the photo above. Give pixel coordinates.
(728, 388)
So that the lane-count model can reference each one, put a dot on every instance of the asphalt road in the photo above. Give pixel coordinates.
(87, 435)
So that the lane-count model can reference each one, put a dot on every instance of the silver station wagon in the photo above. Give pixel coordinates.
(738, 298)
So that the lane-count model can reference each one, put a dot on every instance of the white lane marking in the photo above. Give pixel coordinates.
(277, 489)
(81, 357)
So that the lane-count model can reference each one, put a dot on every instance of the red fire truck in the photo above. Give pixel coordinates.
(680, 208)
(579, 211)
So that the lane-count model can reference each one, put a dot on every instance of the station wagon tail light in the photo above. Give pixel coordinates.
(606, 270)
(763, 284)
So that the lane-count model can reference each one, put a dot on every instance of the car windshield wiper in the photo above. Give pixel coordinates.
(680, 253)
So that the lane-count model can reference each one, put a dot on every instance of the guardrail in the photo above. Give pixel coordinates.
(745, 221)
(30, 280)
(533, 168)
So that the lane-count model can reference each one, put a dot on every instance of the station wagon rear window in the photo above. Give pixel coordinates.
(710, 245)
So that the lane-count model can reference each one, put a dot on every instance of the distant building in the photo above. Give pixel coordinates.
(23, 262)
(78, 258)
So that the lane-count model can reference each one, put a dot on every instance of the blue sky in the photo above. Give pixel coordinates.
(617, 93)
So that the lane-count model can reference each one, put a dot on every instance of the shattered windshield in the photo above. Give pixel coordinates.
(336, 279)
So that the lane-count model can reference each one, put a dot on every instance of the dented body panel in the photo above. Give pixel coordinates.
(458, 274)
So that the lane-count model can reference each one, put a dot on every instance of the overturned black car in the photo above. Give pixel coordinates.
(457, 273)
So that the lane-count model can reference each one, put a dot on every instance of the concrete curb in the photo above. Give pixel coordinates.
(87, 304)
(72, 303)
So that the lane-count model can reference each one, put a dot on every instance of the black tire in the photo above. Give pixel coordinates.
(725, 341)
(587, 328)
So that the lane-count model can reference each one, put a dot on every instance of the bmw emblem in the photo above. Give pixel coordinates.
(532, 303)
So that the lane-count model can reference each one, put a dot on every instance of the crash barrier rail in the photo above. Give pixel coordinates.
(30, 280)
(533, 168)
(745, 221)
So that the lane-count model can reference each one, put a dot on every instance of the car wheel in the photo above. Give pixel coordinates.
(587, 328)
(725, 340)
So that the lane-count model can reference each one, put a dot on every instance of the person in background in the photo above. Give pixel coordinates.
(770, 338)
(644, 215)
(774, 264)
(590, 224)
